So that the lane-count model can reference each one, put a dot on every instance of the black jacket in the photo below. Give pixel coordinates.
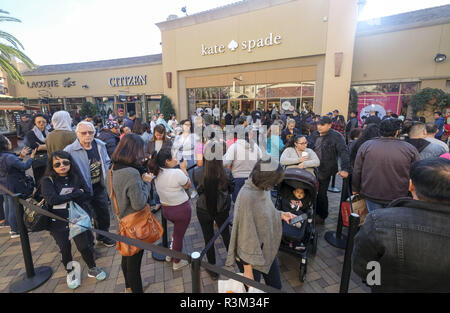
(411, 241)
(351, 124)
(373, 120)
(24, 127)
(111, 140)
(51, 189)
(298, 122)
(223, 197)
(332, 148)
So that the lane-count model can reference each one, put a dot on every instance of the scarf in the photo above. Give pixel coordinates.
(39, 134)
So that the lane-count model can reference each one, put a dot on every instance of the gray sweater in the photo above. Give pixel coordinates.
(131, 192)
(257, 229)
(290, 158)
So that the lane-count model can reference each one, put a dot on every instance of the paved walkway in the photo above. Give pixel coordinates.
(323, 276)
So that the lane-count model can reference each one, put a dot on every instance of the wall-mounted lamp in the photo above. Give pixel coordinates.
(439, 58)
(85, 86)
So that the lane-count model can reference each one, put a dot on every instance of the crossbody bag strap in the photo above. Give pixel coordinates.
(112, 194)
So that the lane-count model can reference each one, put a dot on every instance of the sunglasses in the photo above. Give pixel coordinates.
(58, 164)
(85, 133)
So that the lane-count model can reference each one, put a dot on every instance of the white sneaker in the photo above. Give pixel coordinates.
(169, 258)
(180, 265)
(14, 235)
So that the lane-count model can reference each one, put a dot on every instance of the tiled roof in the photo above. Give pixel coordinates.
(95, 65)
(419, 18)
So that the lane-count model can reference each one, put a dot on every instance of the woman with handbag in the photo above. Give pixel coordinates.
(62, 184)
(36, 140)
(215, 185)
(12, 177)
(171, 184)
(129, 189)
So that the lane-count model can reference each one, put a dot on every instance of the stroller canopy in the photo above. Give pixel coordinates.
(298, 178)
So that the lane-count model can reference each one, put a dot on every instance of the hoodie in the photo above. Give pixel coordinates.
(62, 136)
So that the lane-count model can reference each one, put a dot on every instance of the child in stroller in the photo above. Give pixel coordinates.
(294, 233)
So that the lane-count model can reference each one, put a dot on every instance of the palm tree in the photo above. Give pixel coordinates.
(11, 50)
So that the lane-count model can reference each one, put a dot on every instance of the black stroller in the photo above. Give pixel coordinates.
(299, 241)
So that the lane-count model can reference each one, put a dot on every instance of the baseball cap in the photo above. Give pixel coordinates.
(329, 113)
(112, 124)
(325, 120)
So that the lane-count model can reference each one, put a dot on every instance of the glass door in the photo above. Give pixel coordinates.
(234, 105)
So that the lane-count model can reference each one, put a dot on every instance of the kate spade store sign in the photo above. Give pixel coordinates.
(246, 45)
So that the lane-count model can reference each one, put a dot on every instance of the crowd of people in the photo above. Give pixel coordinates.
(229, 169)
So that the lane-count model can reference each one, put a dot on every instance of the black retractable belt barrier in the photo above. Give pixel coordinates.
(337, 239)
(34, 277)
(165, 251)
(347, 267)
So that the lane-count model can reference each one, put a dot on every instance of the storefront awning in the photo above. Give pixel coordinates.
(12, 108)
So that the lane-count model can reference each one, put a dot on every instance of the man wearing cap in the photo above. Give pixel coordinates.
(388, 115)
(110, 135)
(329, 146)
(129, 121)
(121, 116)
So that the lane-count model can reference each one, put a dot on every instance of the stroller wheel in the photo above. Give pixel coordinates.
(302, 274)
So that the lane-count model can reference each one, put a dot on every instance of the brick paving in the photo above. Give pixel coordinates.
(323, 276)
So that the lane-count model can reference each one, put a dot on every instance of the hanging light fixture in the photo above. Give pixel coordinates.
(440, 57)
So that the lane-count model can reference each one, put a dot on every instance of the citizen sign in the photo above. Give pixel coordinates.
(139, 80)
(247, 45)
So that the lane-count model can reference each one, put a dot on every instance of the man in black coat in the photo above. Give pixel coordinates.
(373, 118)
(25, 125)
(352, 123)
(409, 240)
(111, 136)
(329, 146)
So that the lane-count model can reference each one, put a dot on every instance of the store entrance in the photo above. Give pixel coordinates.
(248, 106)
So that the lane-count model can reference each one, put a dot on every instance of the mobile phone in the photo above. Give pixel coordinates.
(300, 218)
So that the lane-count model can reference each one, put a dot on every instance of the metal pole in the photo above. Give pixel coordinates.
(33, 278)
(337, 239)
(195, 271)
(347, 266)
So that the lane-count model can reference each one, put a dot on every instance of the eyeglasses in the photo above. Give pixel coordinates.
(85, 133)
(58, 164)
(41, 122)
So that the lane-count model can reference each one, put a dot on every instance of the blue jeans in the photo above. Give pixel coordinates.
(10, 213)
(238, 183)
(2, 211)
(372, 206)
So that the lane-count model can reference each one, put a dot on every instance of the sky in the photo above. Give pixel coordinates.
(69, 31)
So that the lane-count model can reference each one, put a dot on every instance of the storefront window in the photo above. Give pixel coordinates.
(383, 97)
(261, 91)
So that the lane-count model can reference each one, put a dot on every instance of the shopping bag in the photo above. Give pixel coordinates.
(234, 286)
(231, 286)
(353, 204)
(79, 220)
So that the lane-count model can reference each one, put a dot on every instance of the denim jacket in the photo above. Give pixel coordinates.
(81, 158)
(12, 169)
(411, 241)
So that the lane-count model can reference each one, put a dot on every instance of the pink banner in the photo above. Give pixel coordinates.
(380, 102)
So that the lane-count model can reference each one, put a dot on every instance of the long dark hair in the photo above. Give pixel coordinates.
(74, 173)
(372, 131)
(129, 151)
(160, 129)
(139, 126)
(158, 160)
(215, 177)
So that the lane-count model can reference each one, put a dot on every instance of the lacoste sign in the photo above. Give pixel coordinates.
(247, 45)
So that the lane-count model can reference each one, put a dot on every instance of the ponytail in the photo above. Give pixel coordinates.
(158, 160)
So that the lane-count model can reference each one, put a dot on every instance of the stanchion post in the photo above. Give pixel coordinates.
(347, 266)
(165, 243)
(195, 271)
(33, 278)
(337, 239)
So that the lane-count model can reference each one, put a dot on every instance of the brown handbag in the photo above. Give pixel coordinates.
(141, 225)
